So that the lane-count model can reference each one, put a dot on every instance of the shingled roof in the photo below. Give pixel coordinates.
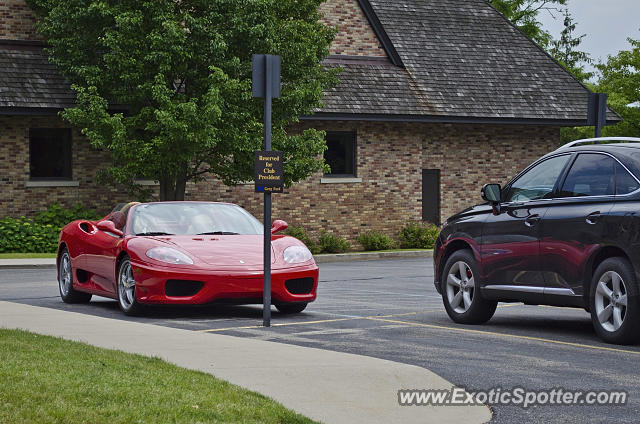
(449, 61)
(463, 61)
(29, 83)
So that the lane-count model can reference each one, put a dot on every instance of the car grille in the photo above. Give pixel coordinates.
(182, 288)
(299, 285)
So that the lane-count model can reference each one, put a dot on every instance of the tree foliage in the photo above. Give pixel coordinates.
(565, 50)
(165, 85)
(524, 15)
(620, 77)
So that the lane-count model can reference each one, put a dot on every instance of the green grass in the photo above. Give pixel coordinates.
(26, 255)
(45, 379)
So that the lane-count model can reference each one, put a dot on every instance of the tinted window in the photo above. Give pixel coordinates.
(340, 153)
(591, 174)
(625, 183)
(538, 182)
(49, 153)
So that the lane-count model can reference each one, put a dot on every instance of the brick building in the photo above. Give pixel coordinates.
(436, 98)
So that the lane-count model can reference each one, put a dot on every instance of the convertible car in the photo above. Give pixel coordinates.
(181, 253)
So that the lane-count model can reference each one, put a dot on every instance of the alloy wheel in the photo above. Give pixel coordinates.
(126, 286)
(611, 301)
(460, 287)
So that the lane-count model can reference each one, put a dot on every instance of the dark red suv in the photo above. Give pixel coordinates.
(564, 232)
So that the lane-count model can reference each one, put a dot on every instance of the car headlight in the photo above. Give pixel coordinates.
(169, 255)
(297, 254)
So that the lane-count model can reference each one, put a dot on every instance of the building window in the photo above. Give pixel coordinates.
(50, 154)
(341, 154)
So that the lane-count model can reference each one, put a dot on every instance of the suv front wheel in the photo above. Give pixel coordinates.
(460, 294)
(615, 308)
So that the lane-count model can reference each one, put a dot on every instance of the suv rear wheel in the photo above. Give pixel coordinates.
(462, 299)
(615, 308)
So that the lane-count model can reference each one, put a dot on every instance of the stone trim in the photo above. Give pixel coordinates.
(52, 183)
(340, 180)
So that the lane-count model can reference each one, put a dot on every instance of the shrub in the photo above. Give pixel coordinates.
(302, 235)
(21, 235)
(40, 235)
(418, 235)
(58, 216)
(374, 240)
(332, 244)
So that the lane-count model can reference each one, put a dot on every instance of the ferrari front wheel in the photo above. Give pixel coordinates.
(291, 308)
(65, 281)
(127, 289)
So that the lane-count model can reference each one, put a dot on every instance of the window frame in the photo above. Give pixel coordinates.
(571, 162)
(67, 152)
(354, 155)
(554, 189)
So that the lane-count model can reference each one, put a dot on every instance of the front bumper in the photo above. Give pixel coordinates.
(220, 285)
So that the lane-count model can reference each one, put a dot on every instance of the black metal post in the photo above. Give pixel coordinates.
(266, 286)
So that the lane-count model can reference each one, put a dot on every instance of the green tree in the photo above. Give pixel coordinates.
(620, 77)
(165, 85)
(565, 50)
(524, 15)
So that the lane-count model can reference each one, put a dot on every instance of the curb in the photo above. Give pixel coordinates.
(367, 256)
(44, 263)
(50, 263)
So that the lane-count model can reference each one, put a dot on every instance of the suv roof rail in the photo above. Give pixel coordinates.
(599, 139)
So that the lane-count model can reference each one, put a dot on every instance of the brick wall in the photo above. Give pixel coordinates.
(355, 36)
(16, 21)
(390, 159)
(18, 199)
(470, 156)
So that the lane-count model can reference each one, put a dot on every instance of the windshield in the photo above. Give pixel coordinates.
(156, 219)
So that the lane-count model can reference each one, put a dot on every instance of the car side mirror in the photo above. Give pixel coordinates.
(492, 193)
(109, 227)
(278, 225)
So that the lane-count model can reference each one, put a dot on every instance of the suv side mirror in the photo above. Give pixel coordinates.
(109, 227)
(492, 193)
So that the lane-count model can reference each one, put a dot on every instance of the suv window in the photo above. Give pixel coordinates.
(592, 174)
(625, 183)
(537, 182)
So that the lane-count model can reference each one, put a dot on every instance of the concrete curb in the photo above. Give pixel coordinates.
(27, 263)
(367, 256)
(321, 259)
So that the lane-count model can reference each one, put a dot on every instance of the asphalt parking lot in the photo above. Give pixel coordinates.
(389, 309)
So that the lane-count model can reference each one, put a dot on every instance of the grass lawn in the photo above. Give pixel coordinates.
(26, 255)
(45, 379)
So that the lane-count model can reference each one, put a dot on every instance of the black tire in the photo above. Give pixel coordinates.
(65, 281)
(464, 304)
(127, 294)
(621, 324)
(291, 308)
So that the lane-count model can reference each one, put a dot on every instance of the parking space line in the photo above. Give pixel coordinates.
(322, 321)
(507, 335)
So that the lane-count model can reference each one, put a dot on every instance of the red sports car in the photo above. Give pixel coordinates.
(182, 253)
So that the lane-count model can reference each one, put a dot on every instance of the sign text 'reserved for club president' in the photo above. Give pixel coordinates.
(268, 172)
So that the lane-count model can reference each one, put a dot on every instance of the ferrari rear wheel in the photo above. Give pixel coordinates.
(65, 281)
(291, 308)
(127, 289)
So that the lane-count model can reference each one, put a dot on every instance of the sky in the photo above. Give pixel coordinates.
(606, 23)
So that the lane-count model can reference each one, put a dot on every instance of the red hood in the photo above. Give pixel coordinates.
(223, 250)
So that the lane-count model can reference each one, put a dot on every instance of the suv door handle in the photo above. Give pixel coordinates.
(593, 217)
(532, 220)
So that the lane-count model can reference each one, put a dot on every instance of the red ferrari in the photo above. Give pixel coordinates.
(182, 253)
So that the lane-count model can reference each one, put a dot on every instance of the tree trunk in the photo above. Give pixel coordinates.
(173, 184)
